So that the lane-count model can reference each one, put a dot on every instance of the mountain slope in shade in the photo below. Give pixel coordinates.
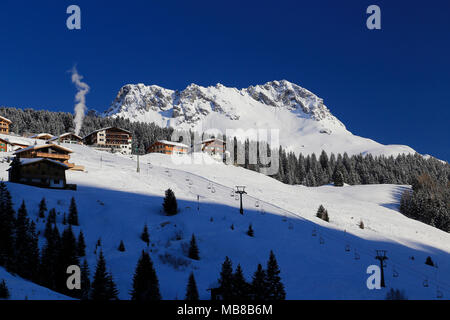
(306, 125)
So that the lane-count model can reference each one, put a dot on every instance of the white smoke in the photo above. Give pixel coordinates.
(80, 99)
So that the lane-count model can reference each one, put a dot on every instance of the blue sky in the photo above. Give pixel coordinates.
(391, 85)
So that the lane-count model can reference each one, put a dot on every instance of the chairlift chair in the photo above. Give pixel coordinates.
(425, 283)
(395, 274)
(347, 248)
(232, 193)
(314, 233)
(257, 204)
(356, 256)
(321, 240)
(439, 294)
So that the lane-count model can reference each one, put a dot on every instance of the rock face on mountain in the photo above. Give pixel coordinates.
(305, 124)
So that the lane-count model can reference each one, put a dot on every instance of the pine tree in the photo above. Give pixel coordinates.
(145, 281)
(240, 285)
(193, 249)
(111, 288)
(322, 213)
(250, 231)
(85, 281)
(7, 228)
(81, 245)
(339, 179)
(145, 236)
(170, 203)
(191, 290)
(64, 222)
(226, 279)
(121, 247)
(73, 213)
(4, 291)
(15, 172)
(100, 284)
(42, 208)
(68, 255)
(259, 285)
(275, 287)
(51, 216)
(49, 266)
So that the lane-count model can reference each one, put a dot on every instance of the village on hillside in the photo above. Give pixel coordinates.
(41, 160)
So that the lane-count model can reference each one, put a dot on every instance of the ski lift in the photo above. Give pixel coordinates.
(213, 190)
(314, 232)
(191, 183)
(347, 248)
(321, 240)
(439, 294)
(257, 204)
(232, 193)
(425, 283)
(236, 197)
(356, 256)
(209, 186)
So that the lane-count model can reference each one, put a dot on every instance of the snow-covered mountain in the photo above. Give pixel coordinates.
(306, 125)
(318, 260)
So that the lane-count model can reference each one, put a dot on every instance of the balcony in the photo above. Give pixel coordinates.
(52, 155)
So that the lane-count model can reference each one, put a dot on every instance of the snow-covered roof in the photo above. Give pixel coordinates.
(25, 162)
(212, 139)
(107, 129)
(13, 140)
(39, 135)
(65, 135)
(44, 146)
(177, 144)
(5, 119)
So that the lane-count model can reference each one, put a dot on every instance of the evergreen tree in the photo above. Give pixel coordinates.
(4, 291)
(81, 245)
(250, 231)
(226, 279)
(170, 203)
(51, 216)
(145, 281)
(100, 284)
(68, 255)
(145, 236)
(49, 269)
(121, 247)
(259, 285)
(14, 173)
(191, 290)
(7, 228)
(275, 287)
(322, 213)
(338, 179)
(73, 213)
(240, 285)
(85, 281)
(42, 208)
(429, 261)
(193, 249)
(111, 288)
(64, 222)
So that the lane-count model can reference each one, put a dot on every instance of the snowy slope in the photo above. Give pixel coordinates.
(21, 289)
(306, 125)
(114, 203)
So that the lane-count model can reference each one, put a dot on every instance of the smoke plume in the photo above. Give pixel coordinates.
(80, 99)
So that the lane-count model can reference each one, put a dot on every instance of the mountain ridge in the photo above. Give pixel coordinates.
(305, 123)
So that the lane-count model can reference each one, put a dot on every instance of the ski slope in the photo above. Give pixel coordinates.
(114, 202)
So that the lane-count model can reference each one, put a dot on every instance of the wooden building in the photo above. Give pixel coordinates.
(10, 143)
(4, 125)
(168, 147)
(42, 136)
(49, 151)
(213, 146)
(68, 137)
(39, 172)
(110, 139)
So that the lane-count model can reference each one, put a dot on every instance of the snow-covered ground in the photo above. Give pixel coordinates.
(114, 203)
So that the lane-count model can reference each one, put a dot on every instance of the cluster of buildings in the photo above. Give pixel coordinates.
(44, 163)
